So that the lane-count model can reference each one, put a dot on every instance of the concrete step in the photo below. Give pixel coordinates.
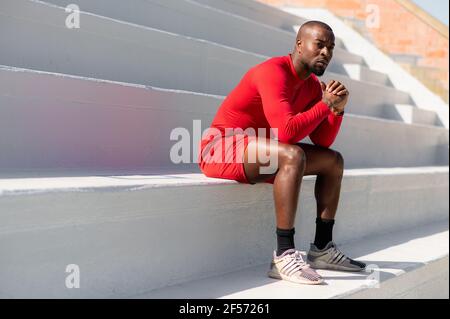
(411, 114)
(199, 21)
(366, 95)
(363, 73)
(256, 11)
(112, 227)
(138, 54)
(408, 264)
(262, 13)
(97, 120)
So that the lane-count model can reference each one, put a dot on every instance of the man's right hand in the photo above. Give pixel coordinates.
(335, 95)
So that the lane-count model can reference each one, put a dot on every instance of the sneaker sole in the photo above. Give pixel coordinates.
(287, 278)
(326, 266)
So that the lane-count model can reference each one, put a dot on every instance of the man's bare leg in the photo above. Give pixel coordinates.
(294, 162)
(287, 183)
(291, 163)
(328, 165)
(287, 263)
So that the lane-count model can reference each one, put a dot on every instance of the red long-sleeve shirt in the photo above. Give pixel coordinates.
(271, 95)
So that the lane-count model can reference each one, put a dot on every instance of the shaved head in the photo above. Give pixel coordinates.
(314, 46)
(310, 26)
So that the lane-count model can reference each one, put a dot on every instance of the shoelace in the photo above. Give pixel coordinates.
(300, 263)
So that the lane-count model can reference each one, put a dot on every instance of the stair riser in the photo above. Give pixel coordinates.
(410, 114)
(358, 72)
(362, 93)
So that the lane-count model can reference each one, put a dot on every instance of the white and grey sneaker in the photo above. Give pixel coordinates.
(291, 266)
(330, 257)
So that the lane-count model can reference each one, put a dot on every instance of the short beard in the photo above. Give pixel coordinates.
(312, 69)
(318, 72)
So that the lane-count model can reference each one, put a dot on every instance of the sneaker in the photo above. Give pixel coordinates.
(332, 258)
(291, 266)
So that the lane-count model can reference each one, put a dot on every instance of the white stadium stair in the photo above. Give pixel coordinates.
(86, 176)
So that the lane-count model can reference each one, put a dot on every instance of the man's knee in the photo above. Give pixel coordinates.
(294, 155)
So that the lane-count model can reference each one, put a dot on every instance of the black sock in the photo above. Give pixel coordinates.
(324, 232)
(285, 240)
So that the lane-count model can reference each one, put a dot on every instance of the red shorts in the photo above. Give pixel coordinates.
(223, 157)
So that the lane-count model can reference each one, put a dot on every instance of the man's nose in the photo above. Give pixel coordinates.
(326, 53)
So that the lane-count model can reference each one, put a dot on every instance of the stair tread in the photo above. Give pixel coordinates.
(166, 179)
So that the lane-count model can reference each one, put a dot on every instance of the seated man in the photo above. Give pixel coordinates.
(283, 96)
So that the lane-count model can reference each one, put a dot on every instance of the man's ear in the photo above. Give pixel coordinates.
(299, 46)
